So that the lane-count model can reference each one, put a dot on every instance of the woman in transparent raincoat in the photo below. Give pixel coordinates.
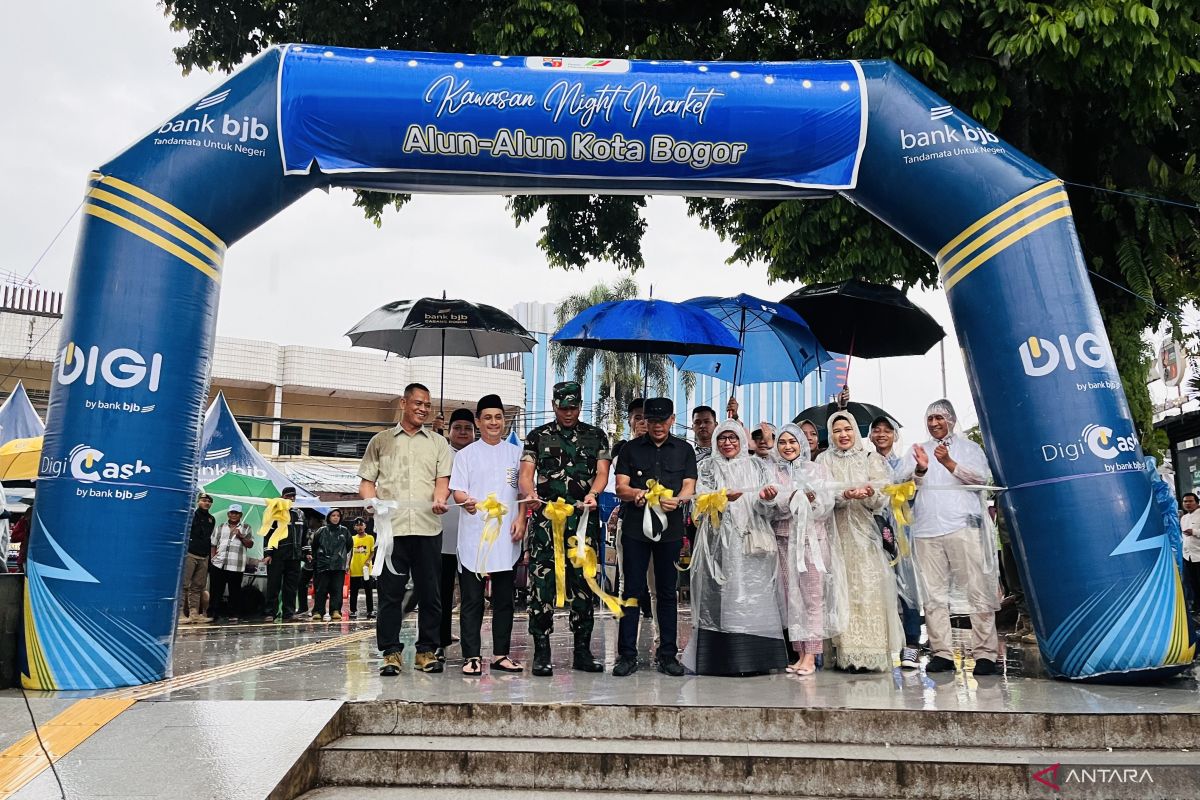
(812, 578)
(737, 626)
(887, 443)
(872, 632)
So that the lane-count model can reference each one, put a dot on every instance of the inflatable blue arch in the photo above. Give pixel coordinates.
(127, 404)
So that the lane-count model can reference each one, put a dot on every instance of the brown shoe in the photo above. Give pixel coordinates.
(428, 662)
(393, 663)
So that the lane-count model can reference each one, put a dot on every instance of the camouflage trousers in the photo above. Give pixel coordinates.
(541, 580)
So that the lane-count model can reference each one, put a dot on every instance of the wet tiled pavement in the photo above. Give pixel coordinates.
(237, 733)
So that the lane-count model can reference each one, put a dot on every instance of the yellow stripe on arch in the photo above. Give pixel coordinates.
(993, 214)
(999, 228)
(1006, 242)
(163, 205)
(153, 238)
(158, 222)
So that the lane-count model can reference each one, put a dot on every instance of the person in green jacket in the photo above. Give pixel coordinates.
(331, 547)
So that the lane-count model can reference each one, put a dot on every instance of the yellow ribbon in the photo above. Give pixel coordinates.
(589, 564)
(713, 504)
(900, 495)
(278, 511)
(557, 512)
(494, 510)
(655, 494)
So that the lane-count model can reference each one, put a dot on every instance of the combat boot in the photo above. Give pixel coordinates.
(541, 657)
(584, 661)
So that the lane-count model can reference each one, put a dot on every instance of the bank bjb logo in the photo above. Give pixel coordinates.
(242, 130)
(1099, 440)
(121, 367)
(1041, 356)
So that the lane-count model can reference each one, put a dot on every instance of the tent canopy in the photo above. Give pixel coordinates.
(18, 420)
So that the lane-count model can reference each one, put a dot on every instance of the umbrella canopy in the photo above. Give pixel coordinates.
(19, 459)
(647, 326)
(865, 319)
(863, 414)
(236, 485)
(777, 344)
(433, 327)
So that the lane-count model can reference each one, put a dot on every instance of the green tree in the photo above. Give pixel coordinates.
(1105, 93)
(620, 377)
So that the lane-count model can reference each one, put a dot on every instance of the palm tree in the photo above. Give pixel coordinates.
(619, 376)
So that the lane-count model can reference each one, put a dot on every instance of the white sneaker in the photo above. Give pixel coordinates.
(326, 618)
(185, 620)
(910, 658)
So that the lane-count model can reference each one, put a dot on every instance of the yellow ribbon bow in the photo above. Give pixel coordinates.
(557, 512)
(900, 495)
(584, 558)
(278, 511)
(494, 512)
(655, 494)
(713, 504)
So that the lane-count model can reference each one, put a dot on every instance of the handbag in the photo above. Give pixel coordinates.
(887, 535)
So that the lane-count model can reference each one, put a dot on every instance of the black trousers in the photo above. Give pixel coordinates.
(367, 586)
(1191, 574)
(220, 579)
(449, 571)
(420, 557)
(329, 585)
(302, 582)
(471, 620)
(282, 576)
(635, 558)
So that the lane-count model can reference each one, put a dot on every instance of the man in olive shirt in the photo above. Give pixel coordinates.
(570, 460)
(411, 465)
(671, 462)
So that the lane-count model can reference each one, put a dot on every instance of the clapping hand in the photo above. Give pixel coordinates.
(921, 456)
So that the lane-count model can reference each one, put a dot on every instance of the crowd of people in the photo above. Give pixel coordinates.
(801, 551)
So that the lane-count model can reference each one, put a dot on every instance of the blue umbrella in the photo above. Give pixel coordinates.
(648, 326)
(777, 344)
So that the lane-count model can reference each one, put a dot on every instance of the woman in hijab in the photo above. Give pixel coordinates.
(737, 627)
(811, 576)
(872, 631)
(814, 441)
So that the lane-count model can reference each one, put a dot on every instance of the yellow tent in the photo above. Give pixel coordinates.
(19, 459)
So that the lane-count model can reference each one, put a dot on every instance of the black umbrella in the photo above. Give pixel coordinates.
(441, 327)
(864, 414)
(865, 319)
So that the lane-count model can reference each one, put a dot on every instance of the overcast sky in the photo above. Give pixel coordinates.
(86, 79)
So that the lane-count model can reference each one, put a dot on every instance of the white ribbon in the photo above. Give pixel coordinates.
(799, 505)
(648, 522)
(581, 532)
(383, 532)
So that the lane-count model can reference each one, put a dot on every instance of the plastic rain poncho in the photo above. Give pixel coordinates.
(908, 584)
(814, 610)
(873, 632)
(737, 623)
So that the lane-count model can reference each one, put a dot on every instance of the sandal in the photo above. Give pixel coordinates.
(506, 664)
(473, 667)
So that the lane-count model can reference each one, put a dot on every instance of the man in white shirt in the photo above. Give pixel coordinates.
(1190, 522)
(949, 535)
(488, 466)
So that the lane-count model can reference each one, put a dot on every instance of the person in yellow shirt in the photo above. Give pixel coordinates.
(360, 568)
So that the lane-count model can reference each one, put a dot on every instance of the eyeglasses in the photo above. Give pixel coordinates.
(727, 437)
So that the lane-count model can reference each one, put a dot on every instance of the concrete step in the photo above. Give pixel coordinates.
(794, 725)
(762, 768)
(435, 793)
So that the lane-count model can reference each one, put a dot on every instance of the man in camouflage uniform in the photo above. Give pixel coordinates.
(568, 459)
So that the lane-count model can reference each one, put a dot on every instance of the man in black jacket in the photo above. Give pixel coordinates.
(195, 567)
(283, 564)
